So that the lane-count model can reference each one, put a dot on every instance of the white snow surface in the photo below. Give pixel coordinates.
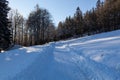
(94, 57)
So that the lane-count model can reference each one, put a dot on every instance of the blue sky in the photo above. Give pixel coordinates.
(59, 9)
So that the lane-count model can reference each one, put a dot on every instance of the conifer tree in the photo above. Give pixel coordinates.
(78, 21)
(4, 25)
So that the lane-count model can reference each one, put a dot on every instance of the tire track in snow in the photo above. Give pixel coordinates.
(46, 55)
(98, 70)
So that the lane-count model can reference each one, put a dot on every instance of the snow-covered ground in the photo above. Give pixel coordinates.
(94, 57)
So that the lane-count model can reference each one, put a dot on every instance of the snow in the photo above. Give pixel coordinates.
(94, 57)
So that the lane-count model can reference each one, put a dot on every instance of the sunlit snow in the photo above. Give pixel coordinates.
(94, 57)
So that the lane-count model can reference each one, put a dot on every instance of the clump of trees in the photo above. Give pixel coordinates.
(17, 26)
(104, 17)
(39, 28)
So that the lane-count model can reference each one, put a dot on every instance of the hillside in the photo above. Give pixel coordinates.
(94, 57)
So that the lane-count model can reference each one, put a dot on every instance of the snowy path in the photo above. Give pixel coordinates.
(88, 58)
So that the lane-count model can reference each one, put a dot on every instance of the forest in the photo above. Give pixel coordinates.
(39, 28)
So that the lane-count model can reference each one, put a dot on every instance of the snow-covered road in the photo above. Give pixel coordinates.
(94, 57)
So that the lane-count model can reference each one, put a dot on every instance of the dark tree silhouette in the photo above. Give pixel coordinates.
(5, 35)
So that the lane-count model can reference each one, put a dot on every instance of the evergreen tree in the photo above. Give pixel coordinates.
(61, 31)
(98, 4)
(78, 17)
(5, 34)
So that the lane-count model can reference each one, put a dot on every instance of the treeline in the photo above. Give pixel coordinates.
(39, 28)
(104, 17)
